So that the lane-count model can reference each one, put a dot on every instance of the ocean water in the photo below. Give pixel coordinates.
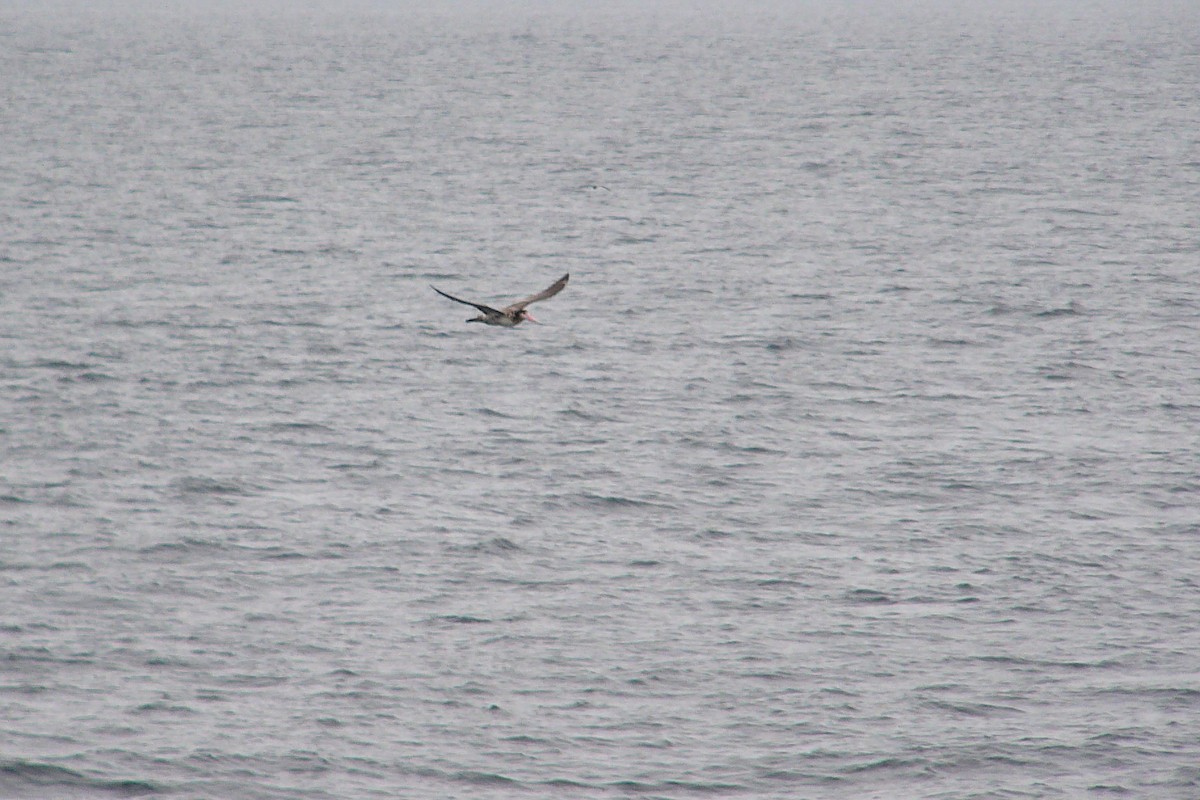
(859, 458)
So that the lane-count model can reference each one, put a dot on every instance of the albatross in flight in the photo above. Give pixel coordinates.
(509, 316)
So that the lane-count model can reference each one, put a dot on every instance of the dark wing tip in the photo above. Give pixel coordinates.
(480, 306)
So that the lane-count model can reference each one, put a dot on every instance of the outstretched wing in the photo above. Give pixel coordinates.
(545, 294)
(483, 308)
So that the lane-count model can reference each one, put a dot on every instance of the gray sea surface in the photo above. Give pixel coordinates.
(860, 458)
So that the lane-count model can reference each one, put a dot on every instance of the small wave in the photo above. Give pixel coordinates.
(1020, 661)
(497, 544)
(463, 619)
(179, 548)
(266, 198)
(973, 709)
(617, 501)
(784, 582)
(578, 414)
(54, 363)
(25, 688)
(162, 708)
(299, 426)
(753, 449)
(1108, 787)
(672, 787)
(715, 533)
(631, 240)
(1069, 310)
(525, 738)
(288, 323)
(785, 344)
(484, 778)
(254, 681)
(69, 566)
(95, 377)
(202, 485)
(135, 323)
(1085, 212)
(1167, 696)
(281, 554)
(19, 777)
(884, 764)
(868, 597)
(561, 783)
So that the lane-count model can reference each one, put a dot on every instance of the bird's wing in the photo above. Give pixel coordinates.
(545, 294)
(481, 307)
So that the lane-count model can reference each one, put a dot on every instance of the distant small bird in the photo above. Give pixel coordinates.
(509, 316)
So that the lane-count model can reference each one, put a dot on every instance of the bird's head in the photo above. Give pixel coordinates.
(524, 316)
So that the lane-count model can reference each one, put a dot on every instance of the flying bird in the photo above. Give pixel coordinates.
(509, 316)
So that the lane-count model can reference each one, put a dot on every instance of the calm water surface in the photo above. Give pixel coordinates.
(858, 460)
